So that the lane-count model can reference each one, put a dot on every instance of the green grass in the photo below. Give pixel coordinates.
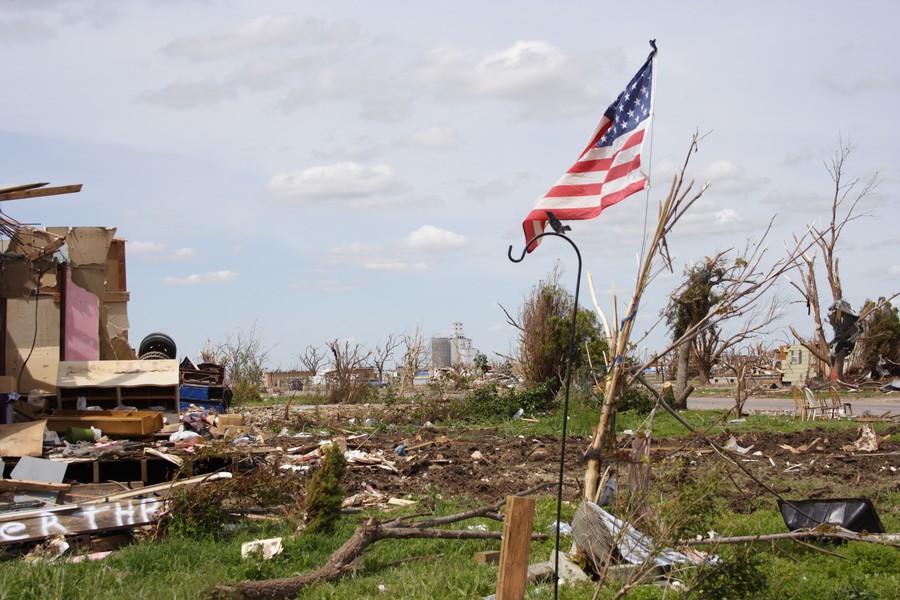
(425, 569)
(176, 567)
(583, 417)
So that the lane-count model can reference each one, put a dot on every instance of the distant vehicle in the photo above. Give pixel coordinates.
(377, 383)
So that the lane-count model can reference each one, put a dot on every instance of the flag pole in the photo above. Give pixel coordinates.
(565, 415)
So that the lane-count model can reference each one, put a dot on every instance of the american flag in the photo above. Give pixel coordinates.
(609, 168)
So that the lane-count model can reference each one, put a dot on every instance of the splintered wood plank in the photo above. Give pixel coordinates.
(22, 439)
(37, 192)
(20, 188)
(516, 548)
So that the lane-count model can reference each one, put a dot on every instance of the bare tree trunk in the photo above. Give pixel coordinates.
(681, 375)
(342, 560)
(703, 370)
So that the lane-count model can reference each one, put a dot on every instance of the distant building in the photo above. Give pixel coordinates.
(799, 365)
(456, 350)
(285, 381)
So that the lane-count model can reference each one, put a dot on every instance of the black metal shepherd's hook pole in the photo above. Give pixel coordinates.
(565, 416)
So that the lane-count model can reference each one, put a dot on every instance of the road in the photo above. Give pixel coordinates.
(872, 405)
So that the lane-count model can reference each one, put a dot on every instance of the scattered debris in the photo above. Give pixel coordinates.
(266, 549)
(734, 447)
(866, 442)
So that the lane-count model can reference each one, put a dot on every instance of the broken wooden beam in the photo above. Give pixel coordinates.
(515, 549)
(26, 485)
(160, 488)
(22, 194)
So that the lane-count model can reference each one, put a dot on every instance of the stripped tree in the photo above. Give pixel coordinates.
(845, 208)
(345, 384)
(415, 356)
(748, 282)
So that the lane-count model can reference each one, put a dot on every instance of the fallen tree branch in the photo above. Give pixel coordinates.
(831, 532)
(342, 560)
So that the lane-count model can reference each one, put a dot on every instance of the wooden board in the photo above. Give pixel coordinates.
(110, 422)
(516, 548)
(37, 192)
(72, 520)
(22, 439)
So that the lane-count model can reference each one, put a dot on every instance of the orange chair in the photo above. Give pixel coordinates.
(839, 407)
(799, 403)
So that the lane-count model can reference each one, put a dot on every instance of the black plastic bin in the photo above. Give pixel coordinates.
(855, 514)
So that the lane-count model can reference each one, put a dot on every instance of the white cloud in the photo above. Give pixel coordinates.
(429, 238)
(155, 252)
(182, 254)
(727, 177)
(710, 219)
(334, 286)
(425, 241)
(144, 247)
(535, 74)
(894, 270)
(799, 156)
(499, 186)
(158, 216)
(340, 81)
(705, 217)
(202, 278)
(387, 109)
(14, 31)
(436, 137)
(266, 73)
(805, 202)
(373, 258)
(341, 180)
(261, 32)
(362, 148)
(183, 95)
(876, 82)
(395, 265)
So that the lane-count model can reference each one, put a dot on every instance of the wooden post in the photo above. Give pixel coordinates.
(516, 548)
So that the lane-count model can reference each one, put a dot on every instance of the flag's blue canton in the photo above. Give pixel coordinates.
(631, 107)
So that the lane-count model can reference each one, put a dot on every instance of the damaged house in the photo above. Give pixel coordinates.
(63, 297)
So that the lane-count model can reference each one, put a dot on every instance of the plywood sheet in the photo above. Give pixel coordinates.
(82, 322)
(117, 373)
(22, 439)
(41, 367)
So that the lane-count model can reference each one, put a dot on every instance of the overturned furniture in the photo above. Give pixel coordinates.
(204, 386)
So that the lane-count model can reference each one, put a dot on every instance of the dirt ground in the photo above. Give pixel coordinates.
(488, 465)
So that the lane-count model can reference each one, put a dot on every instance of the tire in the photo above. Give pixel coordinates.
(158, 343)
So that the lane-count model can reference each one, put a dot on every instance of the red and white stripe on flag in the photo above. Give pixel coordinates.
(608, 170)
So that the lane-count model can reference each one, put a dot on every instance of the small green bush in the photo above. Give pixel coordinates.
(491, 402)
(638, 399)
(197, 512)
(739, 573)
(324, 493)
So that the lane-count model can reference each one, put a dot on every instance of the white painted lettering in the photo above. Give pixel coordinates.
(124, 514)
(48, 521)
(10, 532)
(91, 512)
(149, 509)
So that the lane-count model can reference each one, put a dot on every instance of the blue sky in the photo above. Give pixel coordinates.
(356, 169)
